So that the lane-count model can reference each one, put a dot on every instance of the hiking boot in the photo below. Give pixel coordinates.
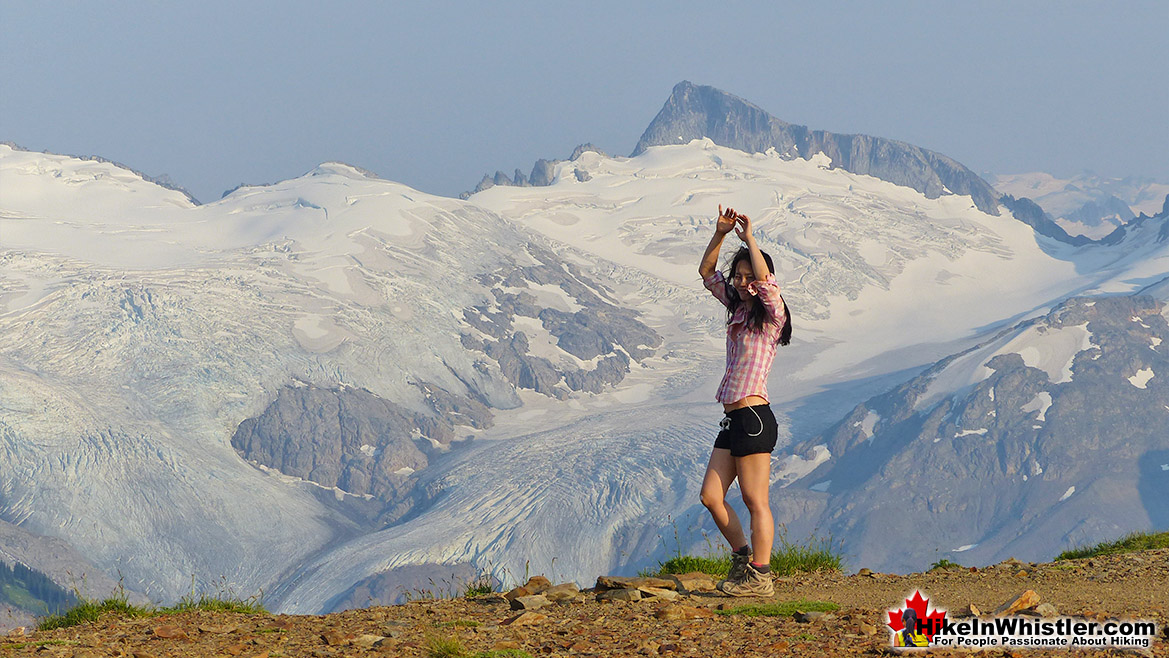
(751, 583)
(739, 564)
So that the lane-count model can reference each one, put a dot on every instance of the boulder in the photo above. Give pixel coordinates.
(1024, 601)
(695, 581)
(619, 595)
(533, 602)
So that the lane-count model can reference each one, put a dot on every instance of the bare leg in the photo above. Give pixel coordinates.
(720, 472)
(754, 479)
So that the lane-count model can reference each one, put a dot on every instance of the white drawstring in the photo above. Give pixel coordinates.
(725, 423)
(758, 419)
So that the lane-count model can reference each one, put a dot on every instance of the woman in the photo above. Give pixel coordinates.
(757, 321)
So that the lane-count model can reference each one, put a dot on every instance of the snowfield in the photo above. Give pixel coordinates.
(141, 329)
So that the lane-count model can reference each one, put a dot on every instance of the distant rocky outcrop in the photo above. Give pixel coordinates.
(1061, 444)
(598, 329)
(542, 174)
(1029, 212)
(695, 111)
(352, 439)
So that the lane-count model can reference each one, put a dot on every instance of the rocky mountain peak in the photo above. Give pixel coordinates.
(697, 111)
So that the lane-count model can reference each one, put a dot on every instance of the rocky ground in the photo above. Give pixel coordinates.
(624, 618)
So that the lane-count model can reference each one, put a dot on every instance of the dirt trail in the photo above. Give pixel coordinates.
(1134, 586)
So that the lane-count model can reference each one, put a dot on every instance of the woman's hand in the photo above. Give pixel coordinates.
(742, 227)
(726, 220)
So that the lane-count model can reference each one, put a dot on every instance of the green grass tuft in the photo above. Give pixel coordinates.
(1135, 541)
(450, 647)
(944, 564)
(780, 609)
(91, 610)
(206, 603)
(444, 647)
(817, 554)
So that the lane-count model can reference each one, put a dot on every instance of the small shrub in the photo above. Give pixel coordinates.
(944, 564)
(445, 647)
(91, 610)
(88, 611)
(251, 606)
(450, 647)
(1134, 541)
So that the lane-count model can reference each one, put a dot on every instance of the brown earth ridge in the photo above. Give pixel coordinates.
(677, 616)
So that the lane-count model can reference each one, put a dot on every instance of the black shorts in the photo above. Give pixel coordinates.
(748, 430)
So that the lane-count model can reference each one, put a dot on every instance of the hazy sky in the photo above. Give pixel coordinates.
(435, 94)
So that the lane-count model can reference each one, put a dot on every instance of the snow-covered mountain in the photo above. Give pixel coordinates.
(404, 386)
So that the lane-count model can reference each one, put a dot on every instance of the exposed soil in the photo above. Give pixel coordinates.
(1129, 586)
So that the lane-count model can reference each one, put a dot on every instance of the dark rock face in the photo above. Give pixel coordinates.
(1015, 464)
(1029, 212)
(694, 111)
(350, 438)
(599, 329)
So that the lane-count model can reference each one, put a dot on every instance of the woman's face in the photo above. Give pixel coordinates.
(742, 277)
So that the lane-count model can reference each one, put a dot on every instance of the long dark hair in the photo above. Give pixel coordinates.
(758, 314)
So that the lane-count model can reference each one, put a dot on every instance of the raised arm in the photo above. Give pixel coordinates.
(743, 230)
(726, 222)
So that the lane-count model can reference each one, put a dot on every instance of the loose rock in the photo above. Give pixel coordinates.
(695, 581)
(525, 619)
(170, 632)
(564, 592)
(1046, 610)
(367, 641)
(1028, 599)
(657, 592)
(619, 595)
(534, 602)
(537, 584)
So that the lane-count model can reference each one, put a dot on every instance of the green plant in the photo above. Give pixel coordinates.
(90, 610)
(804, 637)
(249, 606)
(944, 564)
(1134, 541)
(450, 647)
(780, 609)
(787, 558)
(444, 647)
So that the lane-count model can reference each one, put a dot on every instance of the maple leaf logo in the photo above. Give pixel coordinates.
(928, 622)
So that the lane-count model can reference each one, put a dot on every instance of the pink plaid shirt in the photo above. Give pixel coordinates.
(749, 352)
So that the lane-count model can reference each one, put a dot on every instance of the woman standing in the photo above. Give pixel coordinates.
(757, 321)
